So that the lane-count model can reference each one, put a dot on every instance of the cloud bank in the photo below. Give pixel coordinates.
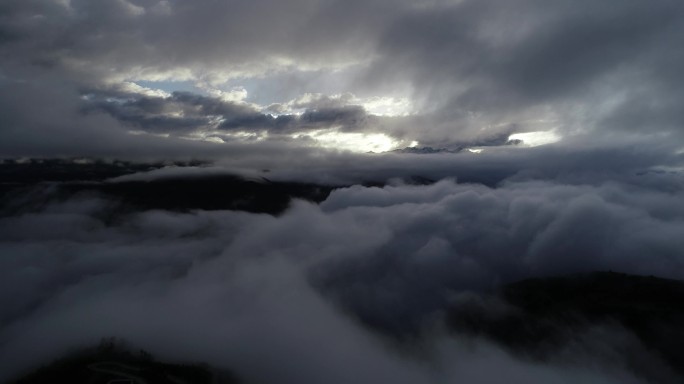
(440, 73)
(248, 291)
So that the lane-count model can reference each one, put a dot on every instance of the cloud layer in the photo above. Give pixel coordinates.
(248, 291)
(453, 72)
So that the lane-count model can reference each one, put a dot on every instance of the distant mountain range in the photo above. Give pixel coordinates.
(30, 185)
(538, 316)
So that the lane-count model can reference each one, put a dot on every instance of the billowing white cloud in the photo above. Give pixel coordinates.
(276, 298)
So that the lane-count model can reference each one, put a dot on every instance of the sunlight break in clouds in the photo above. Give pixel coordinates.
(534, 139)
(351, 141)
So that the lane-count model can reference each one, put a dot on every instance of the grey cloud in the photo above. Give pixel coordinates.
(347, 116)
(181, 111)
(451, 237)
(247, 291)
(497, 59)
(184, 112)
(128, 35)
(43, 118)
(478, 70)
(48, 117)
(255, 121)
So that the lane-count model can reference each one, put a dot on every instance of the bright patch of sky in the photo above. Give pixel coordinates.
(170, 86)
(387, 106)
(351, 141)
(533, 139)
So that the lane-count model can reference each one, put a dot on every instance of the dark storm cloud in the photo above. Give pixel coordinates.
(52, 50)
(132, 114)
(166, 35)
(476, 70)
(501, 58)
(184, 112)
(348, 116)
(45, 119)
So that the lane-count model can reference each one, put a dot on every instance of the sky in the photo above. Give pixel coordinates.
(172, 79)
(553, 130)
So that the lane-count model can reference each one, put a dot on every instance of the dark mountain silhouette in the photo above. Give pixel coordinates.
(534, 319)
(113, 361)
(32, 185)
(538, 316)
